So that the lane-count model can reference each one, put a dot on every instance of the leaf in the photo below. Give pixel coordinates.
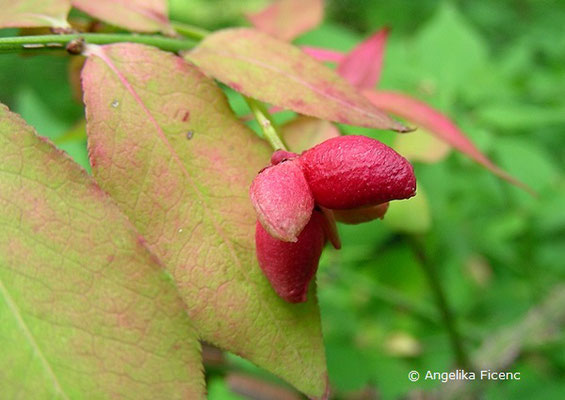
(448, 50)
(85, 308)
(287, 19)
(135, 15)
(276, 72)
(305, 132)
(438, 124)
(34, 13)
(165, 144)
(322, 54)
(421, 146)
(362, 66)
(411, 216)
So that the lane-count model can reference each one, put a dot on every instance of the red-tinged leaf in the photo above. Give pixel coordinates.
(165, 144)
(276, 72)
(362, 66)
(135, 15)
(86, 310)
(438, 124)
(322, 54)
(305, 132)
(287, 19)
(34, 13)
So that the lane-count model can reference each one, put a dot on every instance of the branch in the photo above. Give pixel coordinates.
(20, 44)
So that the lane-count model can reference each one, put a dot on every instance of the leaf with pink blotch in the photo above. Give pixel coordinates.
(86, 310)
(135, 15)
(34, 13)
(165, 144)
(268, 69)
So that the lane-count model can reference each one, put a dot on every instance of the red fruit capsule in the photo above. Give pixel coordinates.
(282, 199)
(289, 267)
(356, 171)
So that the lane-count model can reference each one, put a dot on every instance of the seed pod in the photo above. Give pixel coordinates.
(282, 199)
(356, 171)
(289, 267)
(356, 216)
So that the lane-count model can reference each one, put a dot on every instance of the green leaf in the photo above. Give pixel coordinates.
(164, 143)
(262, 67)
(448, 50)
(421, 146)
(85, 309)
(34, 13)
(411, 216)
(136, 15)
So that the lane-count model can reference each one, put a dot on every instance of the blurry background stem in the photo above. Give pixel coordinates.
(418, 247)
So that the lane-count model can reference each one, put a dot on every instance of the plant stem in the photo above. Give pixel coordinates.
(190, 31)
(266, 123)
(455, 337)
(59, 42)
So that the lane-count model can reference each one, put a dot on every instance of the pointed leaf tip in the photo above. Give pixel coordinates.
(362, 66)
(440, 125)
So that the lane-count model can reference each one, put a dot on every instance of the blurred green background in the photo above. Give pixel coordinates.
(497, 68)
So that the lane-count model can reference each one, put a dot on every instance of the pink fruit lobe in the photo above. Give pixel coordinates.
(282, 199)
(356, 171)
(289, 267)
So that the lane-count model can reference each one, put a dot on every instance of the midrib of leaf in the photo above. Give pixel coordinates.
(301, 82)
(99, 52)
(28, 335)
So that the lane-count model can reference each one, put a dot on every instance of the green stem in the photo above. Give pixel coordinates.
(266, 123)
(190, 31)
(455, 337)
(19, 44)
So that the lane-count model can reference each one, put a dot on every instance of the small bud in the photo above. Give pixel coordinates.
(282, 199)
(356, 171)
(289, 267)
(282, 155)
(356, 216)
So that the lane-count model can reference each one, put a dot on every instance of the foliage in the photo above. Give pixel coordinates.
(108, 275)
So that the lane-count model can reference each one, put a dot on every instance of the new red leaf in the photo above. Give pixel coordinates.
(276, 72)
(435, 122)
(322, 54)
(362, 66)
(287, 19)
